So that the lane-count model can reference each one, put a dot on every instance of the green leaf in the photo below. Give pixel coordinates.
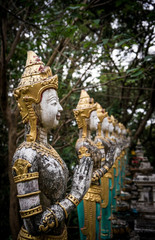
(123, 41)
(105, 41)
(74, 7)
(96, 21)
(147, 58)
(137, 73)
(132, 70)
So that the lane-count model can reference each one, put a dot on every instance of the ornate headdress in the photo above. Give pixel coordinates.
(114, 120)
(36, 78)
(84, 108)
(129, 131)
(121, 126)
(109, 119)
(101, 114)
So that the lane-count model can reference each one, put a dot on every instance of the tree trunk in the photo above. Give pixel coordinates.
(14, 209)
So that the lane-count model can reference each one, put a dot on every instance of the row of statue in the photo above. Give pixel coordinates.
(41, 175)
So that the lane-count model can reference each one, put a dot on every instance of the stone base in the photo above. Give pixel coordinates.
(144, 225)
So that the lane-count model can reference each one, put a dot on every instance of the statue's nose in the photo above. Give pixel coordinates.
(60, 108)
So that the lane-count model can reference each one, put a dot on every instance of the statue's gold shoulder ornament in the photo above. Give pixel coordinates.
(21, 168)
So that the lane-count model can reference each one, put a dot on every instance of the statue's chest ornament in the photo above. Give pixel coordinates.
(99, 145)
(43, 150)
(83, 152)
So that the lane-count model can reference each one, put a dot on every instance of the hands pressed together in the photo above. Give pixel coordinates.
(82, 177)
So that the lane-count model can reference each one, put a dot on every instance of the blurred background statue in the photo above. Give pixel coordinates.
(89, 209)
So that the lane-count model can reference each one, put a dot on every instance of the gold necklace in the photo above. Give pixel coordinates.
(43, 150)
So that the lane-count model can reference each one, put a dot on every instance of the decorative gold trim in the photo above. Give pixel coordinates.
(116, 164)
(56, 220)
(90, 199)
(104, 234)
(106, 167)
(28, 194)
(93, 194)
(104, 139)
(91, 142)
(108, 175)
(21, 166)
(49, 221)
(74, 200)
(26, 177)
(89, 229)
(31, 212)
(40, 148)
(113, 140)
(105, 191)
(99, 145)
(96, 175)
(83, 152)
(65, 211)
(23, 235)
(111, 171)
(63, 236)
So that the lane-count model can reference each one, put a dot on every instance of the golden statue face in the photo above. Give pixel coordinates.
(50, 109)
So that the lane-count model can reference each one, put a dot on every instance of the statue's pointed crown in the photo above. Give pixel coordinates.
(85, 101)
(109, 119)
(114, 120)
(101, 113)
(121, 126)
(84, 107)
(36, 72)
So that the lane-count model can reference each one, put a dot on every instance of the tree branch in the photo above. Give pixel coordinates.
(60, 46)
(17, 38)
(3, 78)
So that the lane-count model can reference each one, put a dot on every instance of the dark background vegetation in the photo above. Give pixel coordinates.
(77, 39)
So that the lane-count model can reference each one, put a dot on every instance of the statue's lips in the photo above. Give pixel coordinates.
(58, 116)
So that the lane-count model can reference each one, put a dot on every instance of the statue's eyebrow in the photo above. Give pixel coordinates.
(52, 98)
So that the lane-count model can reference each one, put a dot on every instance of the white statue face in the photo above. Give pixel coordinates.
(118, 130)
(50, 109)
(111, 127)
(124, 132)
(93, 121)
(105, 124)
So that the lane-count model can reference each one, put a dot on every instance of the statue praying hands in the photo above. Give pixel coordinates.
(39, 172)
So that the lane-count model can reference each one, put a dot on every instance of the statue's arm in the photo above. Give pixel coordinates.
(26, 175)
(109, 158)
(36, 218)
